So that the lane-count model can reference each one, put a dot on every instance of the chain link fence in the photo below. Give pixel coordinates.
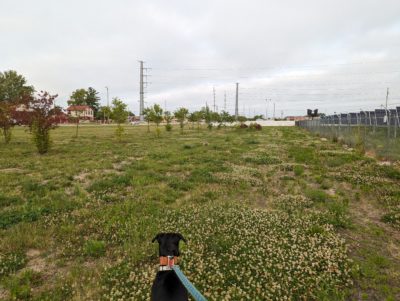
(376, 131)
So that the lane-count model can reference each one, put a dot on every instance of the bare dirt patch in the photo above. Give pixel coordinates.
(35, 261)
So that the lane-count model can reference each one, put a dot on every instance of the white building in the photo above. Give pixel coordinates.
(82, 112)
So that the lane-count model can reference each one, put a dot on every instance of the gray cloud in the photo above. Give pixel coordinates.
(334, 55)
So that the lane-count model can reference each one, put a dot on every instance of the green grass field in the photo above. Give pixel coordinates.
(277, 214)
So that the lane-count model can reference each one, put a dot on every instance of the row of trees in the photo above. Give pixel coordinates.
(156, 115)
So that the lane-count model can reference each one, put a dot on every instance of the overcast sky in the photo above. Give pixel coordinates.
(336, 55)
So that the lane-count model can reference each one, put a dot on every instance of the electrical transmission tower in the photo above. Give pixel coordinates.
(143, 84)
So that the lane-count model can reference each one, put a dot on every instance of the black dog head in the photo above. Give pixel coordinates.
(168, 243)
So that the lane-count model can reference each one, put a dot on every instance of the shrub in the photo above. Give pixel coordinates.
(168, 127)
(41, 119)
(255, 126)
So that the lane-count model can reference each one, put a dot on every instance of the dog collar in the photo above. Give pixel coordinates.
(168, 262)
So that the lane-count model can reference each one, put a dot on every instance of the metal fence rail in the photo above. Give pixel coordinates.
(376, 131)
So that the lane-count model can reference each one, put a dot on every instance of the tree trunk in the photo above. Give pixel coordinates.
(7, 134)
(77, 126)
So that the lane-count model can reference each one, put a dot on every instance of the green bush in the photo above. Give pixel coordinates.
(41, 138)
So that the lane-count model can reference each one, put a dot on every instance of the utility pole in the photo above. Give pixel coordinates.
(142, 84)
(214, 97)
(266, 110)
(225, 101)
(108, 106)
(386, 107)
(237, 102)
(274, 111)
(141, 92)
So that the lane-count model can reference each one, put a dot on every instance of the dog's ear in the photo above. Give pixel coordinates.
(181, 237)
(157, 237)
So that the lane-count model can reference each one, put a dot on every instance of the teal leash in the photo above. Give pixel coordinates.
(188, 285)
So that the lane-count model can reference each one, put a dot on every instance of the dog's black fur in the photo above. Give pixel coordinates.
(166, 286)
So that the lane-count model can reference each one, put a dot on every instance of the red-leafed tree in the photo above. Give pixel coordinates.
(42, 117)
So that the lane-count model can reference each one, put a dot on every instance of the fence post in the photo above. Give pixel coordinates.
(388, 123)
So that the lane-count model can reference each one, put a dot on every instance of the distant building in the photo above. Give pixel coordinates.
(82, 112)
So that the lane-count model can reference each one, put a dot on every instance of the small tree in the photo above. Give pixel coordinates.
(168, 119)
(156, 113)
(207, 117)
(119, 114)
(181, 115)
(147, 116)
(199, 117)
(42, 118)
(216, 117)
(242, 119)
(192, 118)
